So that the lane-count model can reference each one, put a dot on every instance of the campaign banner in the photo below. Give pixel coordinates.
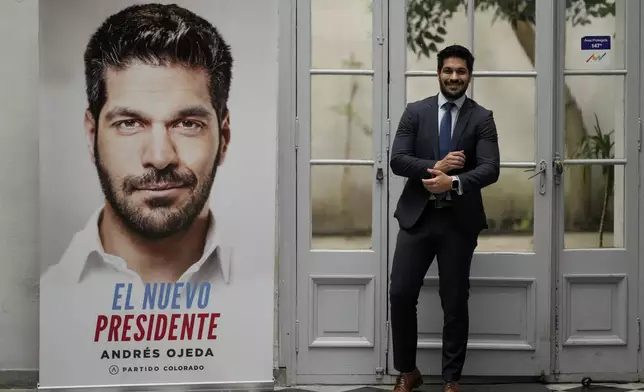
(158, 129)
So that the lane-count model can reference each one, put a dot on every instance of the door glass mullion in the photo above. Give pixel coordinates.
(477, 73)
(396, 90)
(302, 136)
(543, 67)
(471, 33)
(380, 128)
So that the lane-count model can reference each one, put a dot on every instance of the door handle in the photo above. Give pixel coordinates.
(543, 167)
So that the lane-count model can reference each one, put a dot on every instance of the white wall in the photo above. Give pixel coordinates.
(19, 185)
(513, 105)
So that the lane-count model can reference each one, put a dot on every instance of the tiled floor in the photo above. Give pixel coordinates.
(464, 388)
(481, 388)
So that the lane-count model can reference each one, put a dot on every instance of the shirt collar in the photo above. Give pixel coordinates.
(458, 102)
(86, 245)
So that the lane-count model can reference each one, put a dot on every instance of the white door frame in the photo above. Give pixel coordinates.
(640, 366)
(286, 259)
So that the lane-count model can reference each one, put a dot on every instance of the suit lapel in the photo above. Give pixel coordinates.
(433, 126)
(461, 122)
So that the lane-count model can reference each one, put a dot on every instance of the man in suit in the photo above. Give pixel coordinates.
(447, 148)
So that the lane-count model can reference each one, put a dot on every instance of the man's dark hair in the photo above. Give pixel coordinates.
(157, 34)
(457, 51)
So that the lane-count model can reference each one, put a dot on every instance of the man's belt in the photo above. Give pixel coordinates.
(442, 203)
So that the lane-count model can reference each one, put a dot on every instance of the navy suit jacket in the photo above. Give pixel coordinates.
(415, 149)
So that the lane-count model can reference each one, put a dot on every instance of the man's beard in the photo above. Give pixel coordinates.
(163, 220)
(450, 95)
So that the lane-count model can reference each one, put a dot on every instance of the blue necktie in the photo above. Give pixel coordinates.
(445, 137)
(445, 131)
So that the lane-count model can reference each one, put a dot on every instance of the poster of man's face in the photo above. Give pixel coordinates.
(157, 123)
(169, 116)
(152, 116)
(158, 149)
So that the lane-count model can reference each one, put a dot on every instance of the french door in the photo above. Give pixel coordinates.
(341, 190)
(510, 296)
(596, 194)
(554, 279)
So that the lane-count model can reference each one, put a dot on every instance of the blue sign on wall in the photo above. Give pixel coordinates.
(595, 42)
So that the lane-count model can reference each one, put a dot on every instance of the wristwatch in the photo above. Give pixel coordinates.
(455, 183)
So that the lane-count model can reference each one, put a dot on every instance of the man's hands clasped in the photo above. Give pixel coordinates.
(441, 182)
(453, 160)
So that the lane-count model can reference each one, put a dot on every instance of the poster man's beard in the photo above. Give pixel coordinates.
(162, 220)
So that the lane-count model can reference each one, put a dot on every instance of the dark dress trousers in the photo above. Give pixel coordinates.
(447, 231)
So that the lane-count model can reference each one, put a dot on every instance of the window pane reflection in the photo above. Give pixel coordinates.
(341, 34)
(341, 117)
(430, 29)
(594, 117)
(421, 87)
(513, 102)
(594, 215)
(509, 206)
(606, 19)
(341, 212)
(505, 35)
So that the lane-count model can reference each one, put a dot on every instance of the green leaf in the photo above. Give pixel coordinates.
(426, 19)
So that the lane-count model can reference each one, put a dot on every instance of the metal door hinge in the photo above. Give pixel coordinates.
(296, 137)
(380, 39)
(387, 337)
(639, 137)
(297, 336)
(380, 372)
(555, 365)
(639, 335)
(388, 135)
